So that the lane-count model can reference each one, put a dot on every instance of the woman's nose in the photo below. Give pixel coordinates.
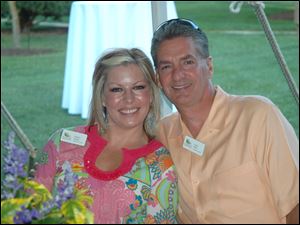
(129, 96)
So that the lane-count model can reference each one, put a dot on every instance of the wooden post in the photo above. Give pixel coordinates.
(24, 139)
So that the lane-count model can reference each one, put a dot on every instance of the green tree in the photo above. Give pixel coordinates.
(30, 10)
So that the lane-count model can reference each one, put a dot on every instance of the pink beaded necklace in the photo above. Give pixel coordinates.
(97, 144)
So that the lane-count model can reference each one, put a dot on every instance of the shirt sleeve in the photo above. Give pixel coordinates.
(160, 133)
(280, 159)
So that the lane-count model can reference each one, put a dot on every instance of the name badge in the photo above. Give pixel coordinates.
(193, 145)
(73, 137)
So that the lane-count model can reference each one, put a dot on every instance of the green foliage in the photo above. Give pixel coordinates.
(4, 9)
(37, 10)
(9, 208)
(73, 211)
(40, 194)
(27, 201)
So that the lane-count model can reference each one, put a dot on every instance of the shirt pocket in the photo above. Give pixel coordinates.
(240, 190)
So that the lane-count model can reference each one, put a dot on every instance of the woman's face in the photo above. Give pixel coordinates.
(127, 97)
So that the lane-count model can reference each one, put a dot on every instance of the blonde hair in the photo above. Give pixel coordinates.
(114, 58)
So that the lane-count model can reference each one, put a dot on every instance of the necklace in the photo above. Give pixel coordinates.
(97, 144)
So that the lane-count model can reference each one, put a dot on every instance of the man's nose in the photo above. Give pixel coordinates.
(177, 73)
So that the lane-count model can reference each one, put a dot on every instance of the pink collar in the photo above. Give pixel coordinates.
(97, 144)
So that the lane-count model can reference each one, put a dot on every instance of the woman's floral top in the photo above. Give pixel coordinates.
(142, 190)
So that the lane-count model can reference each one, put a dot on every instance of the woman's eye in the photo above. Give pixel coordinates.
(139, 87)
(116, 89)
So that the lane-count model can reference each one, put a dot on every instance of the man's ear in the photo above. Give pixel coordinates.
(210, 66)
(157, 79)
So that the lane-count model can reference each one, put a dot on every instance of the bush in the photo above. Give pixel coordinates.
(25, 201)
(31, 10)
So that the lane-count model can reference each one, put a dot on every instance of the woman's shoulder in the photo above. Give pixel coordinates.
(161, 155)
(75, 135)
(58, 132)
(65, 142)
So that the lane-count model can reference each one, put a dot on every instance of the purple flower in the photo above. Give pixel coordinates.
(64, 192)
(14, 167)
(16, 157)
(26, 216)
(65, 187)
(14, 162)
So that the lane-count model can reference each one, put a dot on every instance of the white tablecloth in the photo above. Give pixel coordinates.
(93, 28)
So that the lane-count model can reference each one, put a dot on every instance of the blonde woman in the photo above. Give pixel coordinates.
(128, 172)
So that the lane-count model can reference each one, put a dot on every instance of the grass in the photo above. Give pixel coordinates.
(31, 86)
(251, 68)
(215, 15)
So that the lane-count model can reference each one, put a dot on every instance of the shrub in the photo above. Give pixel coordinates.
(29, 11)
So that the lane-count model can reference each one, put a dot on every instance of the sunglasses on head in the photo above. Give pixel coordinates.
(185, 22)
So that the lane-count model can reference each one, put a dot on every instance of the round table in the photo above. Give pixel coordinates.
(95, 27)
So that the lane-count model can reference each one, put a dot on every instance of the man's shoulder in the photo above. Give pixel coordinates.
(243, 103)
(252, 102)
(169, 119)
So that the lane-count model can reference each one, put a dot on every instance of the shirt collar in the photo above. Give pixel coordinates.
(215, 121)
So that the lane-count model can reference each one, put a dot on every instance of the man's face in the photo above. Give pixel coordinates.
(183, 74)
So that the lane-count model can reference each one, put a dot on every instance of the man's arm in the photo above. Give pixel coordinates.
(293, 216)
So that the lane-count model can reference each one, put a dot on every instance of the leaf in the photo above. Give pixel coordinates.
(41, 193)
(74, 211)
(81, 196)
(89, 216)
(54, 217)
(9, 208)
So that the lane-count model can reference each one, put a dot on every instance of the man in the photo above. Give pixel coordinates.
(236, 156)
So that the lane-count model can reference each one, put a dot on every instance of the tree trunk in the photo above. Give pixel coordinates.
(15, 24)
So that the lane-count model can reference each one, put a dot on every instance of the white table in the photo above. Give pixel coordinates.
(95, 27)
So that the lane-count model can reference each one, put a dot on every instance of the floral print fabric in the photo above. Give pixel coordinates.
(146, 194)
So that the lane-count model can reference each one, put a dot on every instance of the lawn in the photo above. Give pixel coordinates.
(31, 86)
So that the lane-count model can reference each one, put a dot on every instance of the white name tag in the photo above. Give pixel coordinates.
(73, 137)
(193, 145)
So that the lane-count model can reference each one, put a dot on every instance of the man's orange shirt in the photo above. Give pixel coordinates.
(248, 172)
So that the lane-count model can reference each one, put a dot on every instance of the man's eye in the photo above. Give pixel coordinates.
(189, 62)
(165, 67)
(116, 89)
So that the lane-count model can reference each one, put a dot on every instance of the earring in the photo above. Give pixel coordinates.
(104, 114)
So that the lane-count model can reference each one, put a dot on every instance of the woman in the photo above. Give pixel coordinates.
(129, 174)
